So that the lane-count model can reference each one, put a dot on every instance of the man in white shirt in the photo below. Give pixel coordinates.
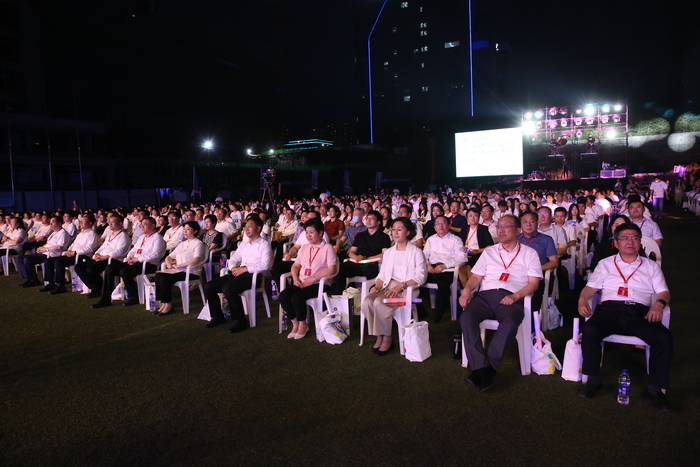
(442, 251)
(488, 220)
(116, 245)
(545, 226)
(83, 247)
(225, 226)
(55, 244)
(506, 272)
(69, 225)
(649, 228)
(252, 256)
(633, 295)
(175, 234)
(659, 192)
(149, 249)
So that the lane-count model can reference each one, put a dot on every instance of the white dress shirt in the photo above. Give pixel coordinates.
(148, 248)
(187, 250)
(173, 236)
(60, 238)
(496, 261)
(646, 279)
(85, 243)
(447, 250)
(256, 256)
(116, 245)
(19, 236)
(650, 229)
(557, 233)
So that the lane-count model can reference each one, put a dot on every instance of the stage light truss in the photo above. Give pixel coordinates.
(604, 121)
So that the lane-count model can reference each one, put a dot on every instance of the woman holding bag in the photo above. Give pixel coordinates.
(403, 266)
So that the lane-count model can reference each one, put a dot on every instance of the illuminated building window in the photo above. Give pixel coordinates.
(424, 33)
(396, 76)
(423, 25)
(386, 63)
(425, 88)
(395, 53)
(407, 98)
(394, 29)
(449, 45)
(404, 4)
(424, 48)
(422, 65)
(415, 51)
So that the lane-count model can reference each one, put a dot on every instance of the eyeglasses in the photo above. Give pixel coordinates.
(441, 223)
(628, 239)
(507, 226)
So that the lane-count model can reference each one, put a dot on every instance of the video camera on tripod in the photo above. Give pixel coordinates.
(268, 178)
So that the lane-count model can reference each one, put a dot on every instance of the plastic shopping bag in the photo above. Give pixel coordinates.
(416, 341)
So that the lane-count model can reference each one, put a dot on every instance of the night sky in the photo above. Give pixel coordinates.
(562, 53)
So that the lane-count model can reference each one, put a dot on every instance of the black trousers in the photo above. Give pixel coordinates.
(128, 273)
(442, 298)
(56, 268)
(26, 263)
(293, 300)
(350, 269)
(90, 272)
(231, 287)
(280, 268)
(164, 284)
(612, 317)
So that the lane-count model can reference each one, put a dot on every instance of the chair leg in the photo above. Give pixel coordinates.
(362, 328)
(267, 303)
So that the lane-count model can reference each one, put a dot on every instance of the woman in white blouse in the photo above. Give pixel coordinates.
(13, 238)
(403, 265)
(190, 252)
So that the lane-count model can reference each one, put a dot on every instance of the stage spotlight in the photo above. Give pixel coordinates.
(538, 114)
(578, 121)
(616, 118)
(590, 110)
(207, 144)
(605, 119)
(606, 108)
(618, 107)
(553, 111)
(552, 124)
(563, 122)
(579, 111)
(579, 133)
(611, 133)
(590, 120)
(563, 111)
(538, 125)
(528, 116)
(528, 128)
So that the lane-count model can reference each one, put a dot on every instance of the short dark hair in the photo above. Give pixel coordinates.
(377, 215)
(528, 213)
(315, 223)
(194, 226)
(408, 224)
(515, 218)
(627, 226)
(259, 222)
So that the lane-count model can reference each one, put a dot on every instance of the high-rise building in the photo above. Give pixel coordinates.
(428, 61)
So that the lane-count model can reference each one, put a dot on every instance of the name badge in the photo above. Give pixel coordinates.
(623, 292)
(138, 252)
(504, 277)
(307, 272)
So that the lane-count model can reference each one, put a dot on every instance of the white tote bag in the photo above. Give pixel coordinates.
(332, 330)
(340, 305)
(149, 292)
(544, 362)
(205, 314)
(416, 341)
(572, 369)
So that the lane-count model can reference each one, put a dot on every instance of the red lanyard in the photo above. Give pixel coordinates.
(530, 242)
(50, 237)
(113, 236)
(620, 272)
(140, 248)
(511, 261)
(311, 261)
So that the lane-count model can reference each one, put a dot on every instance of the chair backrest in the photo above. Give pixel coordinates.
(650, 246)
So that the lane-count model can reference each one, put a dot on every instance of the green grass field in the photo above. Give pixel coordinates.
(118, 386)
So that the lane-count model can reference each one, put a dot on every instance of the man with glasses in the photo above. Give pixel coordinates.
(443, 250)
(545, 226)
(627, 284)
(505, 273)
(488, 220)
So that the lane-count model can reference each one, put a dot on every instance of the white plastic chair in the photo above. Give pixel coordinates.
(209, 267)
(523, 337)
(650, 246)
(550, 276)
(6, 261)
(249, 297)
(184, 287)
(570, 266)
(454, 291)
(630, 340)
(314, 304)
(402, 316)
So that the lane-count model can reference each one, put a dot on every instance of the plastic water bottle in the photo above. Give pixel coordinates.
(457, 339)
(623, 388)
(285, 321)
(276, 295)
(223, 260)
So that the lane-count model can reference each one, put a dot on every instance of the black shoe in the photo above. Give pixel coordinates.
(239, 325)
(657, 399)
(158, 313)
(48, 288)
(375, 350)
(588, 390)
(215, 322)
(100, 304)
(58, 290)
(488, 374)
(28, 284)
(94, 295)
(381, 353)
(474, 378)
(131, 302)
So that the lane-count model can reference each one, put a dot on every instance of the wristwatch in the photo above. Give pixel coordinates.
(663, 302)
